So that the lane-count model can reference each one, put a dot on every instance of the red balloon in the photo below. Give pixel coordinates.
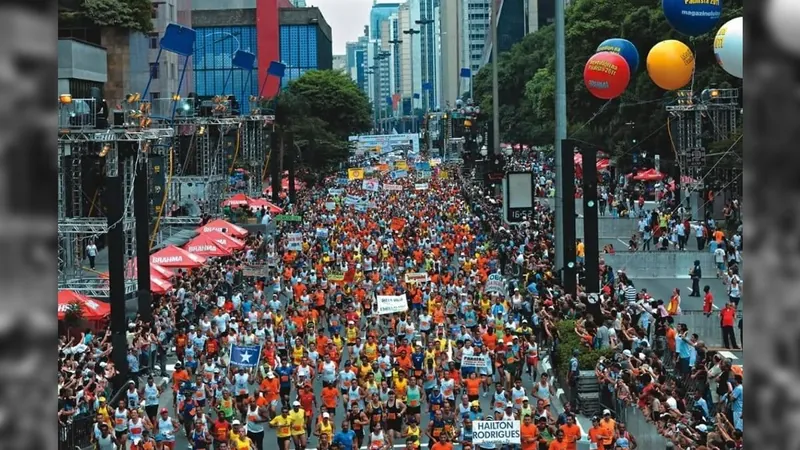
(606, 75)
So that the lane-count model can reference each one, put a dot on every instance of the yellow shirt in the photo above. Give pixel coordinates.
(283, 426)
(400, 387)
(298, 421)
(580, 249)
(326, 430)
(413, 432)
(297, 354)
(242, 443)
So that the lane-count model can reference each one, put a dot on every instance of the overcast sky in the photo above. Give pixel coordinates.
(347, 19)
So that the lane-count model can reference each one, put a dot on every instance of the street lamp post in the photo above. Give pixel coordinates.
(395, 43)
(411, 32)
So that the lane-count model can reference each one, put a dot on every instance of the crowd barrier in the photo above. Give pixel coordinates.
(610, 228)
(660, 264)
(646, 433)
(76, 434)
(707, 327)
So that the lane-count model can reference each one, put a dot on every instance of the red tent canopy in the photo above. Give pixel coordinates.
(649, 175)
(226, 241)
(205, 245)
(258, 203)
(223, 226)
(92, 309)
(176, 257)
(236, 200)
(159, 285)
(132, 271)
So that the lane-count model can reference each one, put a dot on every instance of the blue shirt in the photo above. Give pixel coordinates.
(738, 399)
(702, 404)
(345, 439)
(285, 371)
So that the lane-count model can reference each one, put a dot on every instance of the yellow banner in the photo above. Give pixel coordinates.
(336, 276)
(355, 174)
(401, 165)
(443, 175)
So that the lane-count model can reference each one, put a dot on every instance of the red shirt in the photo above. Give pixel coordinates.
(727, 315)
(306, 400)
(708, 302)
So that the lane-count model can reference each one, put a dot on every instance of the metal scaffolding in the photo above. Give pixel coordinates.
(255, 140)
(118, 150)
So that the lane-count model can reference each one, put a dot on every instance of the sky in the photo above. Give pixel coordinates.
(347, 19)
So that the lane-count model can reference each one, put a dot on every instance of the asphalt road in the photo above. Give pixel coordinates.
(270, 438)
(661, 288)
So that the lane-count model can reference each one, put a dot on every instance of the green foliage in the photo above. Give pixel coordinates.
(569, 341)
(134, 15)
(73, 314)
(322, 109)
(527, 78)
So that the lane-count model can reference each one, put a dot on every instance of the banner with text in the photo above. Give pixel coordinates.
(501, 432)
(495, 283)
(417, 277)
(294, 241)
(371, 185)
(474, 361)
(392, 187)
(421, 186)
(389, 304)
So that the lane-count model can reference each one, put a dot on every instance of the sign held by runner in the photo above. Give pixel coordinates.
(495, 283)
(417, 277)
(496, 432)
(478, 362)
(294, 241)
(389, 304)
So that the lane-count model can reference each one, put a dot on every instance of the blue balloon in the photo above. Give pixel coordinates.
(624, 48)
(692, 17)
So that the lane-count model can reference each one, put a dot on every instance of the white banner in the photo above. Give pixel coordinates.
(294, 241)
(417, 277)
(392, 187)
(371, 185)
(473, 361)
(421, 186)
(496, 432)
(495, 283)
(388, 304)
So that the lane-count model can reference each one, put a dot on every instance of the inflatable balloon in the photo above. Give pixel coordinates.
(692, 17)
(606, 75)
(670, 64)
(781, 18)
(728, 47)
(625, 48)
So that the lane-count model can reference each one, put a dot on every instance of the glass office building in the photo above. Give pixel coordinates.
(213, 71)
(304, 48)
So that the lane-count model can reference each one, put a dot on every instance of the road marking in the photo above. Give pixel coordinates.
(623, 243)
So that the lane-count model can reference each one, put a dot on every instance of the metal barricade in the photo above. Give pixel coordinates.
(76, 433)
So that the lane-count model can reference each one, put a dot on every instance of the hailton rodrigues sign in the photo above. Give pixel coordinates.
(496, 432)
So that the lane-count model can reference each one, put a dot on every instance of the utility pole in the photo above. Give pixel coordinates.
(411, 32)
(561, 134)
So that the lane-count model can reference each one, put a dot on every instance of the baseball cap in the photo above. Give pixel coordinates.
(236, 422)
(509, 405)
(326, 416)
(101, 399)
(627, 353)
(476, 403)
(296, 403)
(270, 375)
(606, 412)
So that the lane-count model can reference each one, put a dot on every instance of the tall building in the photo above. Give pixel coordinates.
(424, 50)
(379, 13)
(340, 63)
(451, 23)
(516, 19)
(475, 17)
(166, 74)
(305, 42)
(249, 25)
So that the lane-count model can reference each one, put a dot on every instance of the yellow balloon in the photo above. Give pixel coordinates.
(670, 64)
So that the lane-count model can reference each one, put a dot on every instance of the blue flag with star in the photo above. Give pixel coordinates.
(245, 356)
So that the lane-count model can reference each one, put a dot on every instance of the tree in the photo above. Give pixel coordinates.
(133, 15)
(527, 79)
(322, 109)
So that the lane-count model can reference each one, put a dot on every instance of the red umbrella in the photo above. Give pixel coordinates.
(172, 256)
(223, 226)
(237, 200)
(92, 309)
(226, 241)
(205, 245)
(649, 175)
(258, 203)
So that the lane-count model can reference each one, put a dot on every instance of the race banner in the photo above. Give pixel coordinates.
(392, 187)
(245, 356)
(335, 191)
(351, 200)
(435, 162)
(401, 165)
(355, 174)
(423, 166)
(499, 432)
(421, 186)
(478, 362)
(417, 277)
(424, 174)
(389, 304)
(342, 181)
(371, 185)
(383, 168)
(495, 283)
(294, 241)
(397, 174)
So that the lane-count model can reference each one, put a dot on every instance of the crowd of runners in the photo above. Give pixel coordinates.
(333, 369)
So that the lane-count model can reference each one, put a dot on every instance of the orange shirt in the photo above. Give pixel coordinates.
(442, 446)
(555, 445)
(330, 395)
(178, 377)
(474, 387)
(528, 437)
(597, 435)
(609, 427)
(489, 341)
(572, 434)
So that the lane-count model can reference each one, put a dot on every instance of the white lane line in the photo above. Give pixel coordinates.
(624, 243)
